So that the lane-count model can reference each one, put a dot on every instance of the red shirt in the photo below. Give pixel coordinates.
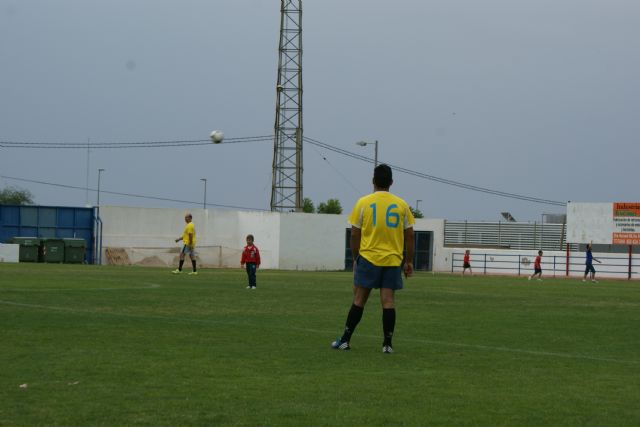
(466, 259)
(250, 254)
(537, 262)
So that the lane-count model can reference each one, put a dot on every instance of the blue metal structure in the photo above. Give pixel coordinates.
(48, 222)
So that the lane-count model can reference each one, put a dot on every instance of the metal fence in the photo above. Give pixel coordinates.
(510, 235)
(620, 266)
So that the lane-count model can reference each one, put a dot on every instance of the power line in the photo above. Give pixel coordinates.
(115, 193)
(269, 138)
(144, 144)
(438, 179)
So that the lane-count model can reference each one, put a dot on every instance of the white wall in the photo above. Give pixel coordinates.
(299, 241)
(286, 240)
(9, 252)
(440, 256)
(312, 241)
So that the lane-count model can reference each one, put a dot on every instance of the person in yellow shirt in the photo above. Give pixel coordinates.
(381, 228)
(189, 239)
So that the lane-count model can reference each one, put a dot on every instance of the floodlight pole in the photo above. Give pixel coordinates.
(204, 203)
(417, 204)
(375, 143)
(98, 201)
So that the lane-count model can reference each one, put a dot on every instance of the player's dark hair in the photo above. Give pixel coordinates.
(382, 176)
(250, 236)
(539, 252)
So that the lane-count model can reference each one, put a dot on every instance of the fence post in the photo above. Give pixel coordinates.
(554, 266)
(519, 264)
(453, 255)
(567, 264)
(630, 257)
(485, 263)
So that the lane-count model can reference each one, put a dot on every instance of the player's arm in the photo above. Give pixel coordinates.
(190, 240)
(409, 244)
(356, 235)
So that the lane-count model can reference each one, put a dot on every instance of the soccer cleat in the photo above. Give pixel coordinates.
(594, 281)
(387, 349)
(248, 286)
(193, 273)
(529, 278)
(338, 344)
(253, 287)
(176, 271)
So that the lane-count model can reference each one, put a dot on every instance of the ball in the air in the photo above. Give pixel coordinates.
(216, 136)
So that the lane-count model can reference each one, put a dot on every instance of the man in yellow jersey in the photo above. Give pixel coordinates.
(189, 239)
(381, 227)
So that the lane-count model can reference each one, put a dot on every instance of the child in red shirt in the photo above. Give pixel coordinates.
(466, 262)
(537, 267)
(250, 257)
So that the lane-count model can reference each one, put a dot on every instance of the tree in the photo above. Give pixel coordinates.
(307, 206)
(416, 213)
(331, 207)
(15, 196)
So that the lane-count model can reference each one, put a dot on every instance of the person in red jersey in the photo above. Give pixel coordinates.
(251, 258)
(466, 262)
(537, 267)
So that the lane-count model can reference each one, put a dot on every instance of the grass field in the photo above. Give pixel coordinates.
(113, 346)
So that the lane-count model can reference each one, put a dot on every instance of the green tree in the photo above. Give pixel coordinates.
(416, 213)
(331, 207)
(307, 206)
(15, 196)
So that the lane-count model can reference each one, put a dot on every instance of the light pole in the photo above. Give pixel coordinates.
(204, 203)
(417, 204)
(375, 143)
(99, 175)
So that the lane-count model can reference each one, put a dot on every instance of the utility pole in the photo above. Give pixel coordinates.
(286, 189)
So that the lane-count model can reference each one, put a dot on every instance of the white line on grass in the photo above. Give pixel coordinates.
(307, 330)
(147, 286)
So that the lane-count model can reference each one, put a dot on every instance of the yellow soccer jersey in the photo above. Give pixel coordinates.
(189, 229)
(382, 219)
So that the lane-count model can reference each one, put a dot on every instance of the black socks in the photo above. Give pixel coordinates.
(355, 314)
(388, 324)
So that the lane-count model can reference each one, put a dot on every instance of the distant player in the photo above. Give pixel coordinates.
(189, 239)
(589, 265)
(537, 267)
(381, 227)
(466, 262)
(250, 257)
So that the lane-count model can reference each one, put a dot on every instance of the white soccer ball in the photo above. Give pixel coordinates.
(216, 136)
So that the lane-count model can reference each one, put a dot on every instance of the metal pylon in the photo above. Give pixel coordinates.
(286, 190)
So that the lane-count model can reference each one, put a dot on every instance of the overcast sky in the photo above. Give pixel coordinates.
(534, 97)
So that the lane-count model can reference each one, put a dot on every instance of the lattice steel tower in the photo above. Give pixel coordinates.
(286, 190)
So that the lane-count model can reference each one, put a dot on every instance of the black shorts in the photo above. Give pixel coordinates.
(589, 268)
(466, 265)
(537, 270)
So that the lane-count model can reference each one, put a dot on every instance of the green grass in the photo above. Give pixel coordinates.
(138, 346)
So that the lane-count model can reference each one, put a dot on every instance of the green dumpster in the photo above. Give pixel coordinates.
(74, 251)
(52, 250)
(29, 248)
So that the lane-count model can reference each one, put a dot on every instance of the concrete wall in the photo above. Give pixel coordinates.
(9, 252)
(295, 241)
(312, 241)
(291, 241)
